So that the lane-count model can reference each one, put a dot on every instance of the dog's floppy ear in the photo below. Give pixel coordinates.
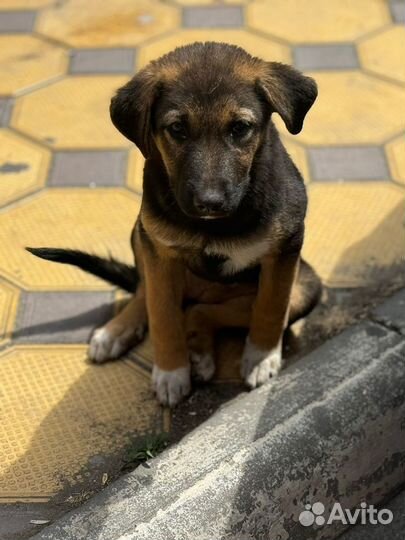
(130, 108)
(289, 92)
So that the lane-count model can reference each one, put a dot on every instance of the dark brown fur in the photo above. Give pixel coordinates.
(201, 116)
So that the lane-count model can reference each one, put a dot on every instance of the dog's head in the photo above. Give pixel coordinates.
(205, 108)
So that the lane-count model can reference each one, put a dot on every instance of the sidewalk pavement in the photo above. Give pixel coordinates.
(64, 168)
(329, 430)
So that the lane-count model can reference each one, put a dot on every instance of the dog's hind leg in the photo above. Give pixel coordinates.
(203, 320)
(305, 294)
(124, 331)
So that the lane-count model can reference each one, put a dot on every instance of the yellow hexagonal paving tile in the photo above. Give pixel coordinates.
(91, 23)
(71, 113)
(396, 158)
(347, 230)
(384, 53)
(317, 21)
(256, 45)
(8, 309)
(23, 166)
(58, 411)
(136, 162)
(352, 108)
(97, 221)
(26, 61)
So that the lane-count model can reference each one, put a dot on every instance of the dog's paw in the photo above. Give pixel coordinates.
(171, 386)
(106, 345)
(259, 366)
(202, 366)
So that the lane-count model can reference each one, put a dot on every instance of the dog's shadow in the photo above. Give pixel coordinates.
(63, 330)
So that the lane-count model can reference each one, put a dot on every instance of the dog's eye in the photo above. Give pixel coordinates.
(240, 129)
(177, 130)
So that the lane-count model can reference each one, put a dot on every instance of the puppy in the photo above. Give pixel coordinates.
(217, 242)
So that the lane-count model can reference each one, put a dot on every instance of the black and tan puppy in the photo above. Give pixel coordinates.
(222, 219)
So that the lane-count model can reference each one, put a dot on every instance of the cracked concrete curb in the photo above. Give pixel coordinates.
(330, 428)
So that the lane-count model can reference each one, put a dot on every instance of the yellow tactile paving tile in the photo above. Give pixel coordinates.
(374, 55)
(23, 166)
(396, 158)
(26, 61)
(352, 108)
(317, 21)
(71, 113)
(58, 411)
(92, 23)
(8, 308)
(98, 221)
(354, 231)
(256, 45)
(136, 162)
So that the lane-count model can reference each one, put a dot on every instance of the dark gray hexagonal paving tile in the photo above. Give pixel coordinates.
(339, 56)
(5, 111)
(102, 61)
(348, 163)
(213, 17)
(61, 316)
(17, 21)
(398, 10)
(89, 168)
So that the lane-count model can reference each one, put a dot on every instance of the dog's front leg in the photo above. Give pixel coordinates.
(262, 358)
(164, 280)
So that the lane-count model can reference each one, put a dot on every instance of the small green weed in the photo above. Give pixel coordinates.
(143, 449)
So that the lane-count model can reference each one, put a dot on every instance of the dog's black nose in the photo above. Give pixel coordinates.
(209, 202)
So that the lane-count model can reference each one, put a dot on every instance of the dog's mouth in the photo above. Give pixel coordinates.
(213, 216)
(207, 216)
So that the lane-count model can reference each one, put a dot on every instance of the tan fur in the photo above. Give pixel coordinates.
(275, 284)
(164, 250)
(164, 277)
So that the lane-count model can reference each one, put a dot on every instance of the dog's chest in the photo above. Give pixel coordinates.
(228, 263)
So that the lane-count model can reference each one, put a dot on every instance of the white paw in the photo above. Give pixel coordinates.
(259, 366)
(202, 366)
(171, 386)
(105, 346)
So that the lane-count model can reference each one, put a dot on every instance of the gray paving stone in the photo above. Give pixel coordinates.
(392, 311)
(61, 317)
(89, 168)
(5, 111)
(102, 61)
(398, 10)
(340, 56)
(348, 163)
(391, 531)
(17, 21)
(213, 17)
(328, 429)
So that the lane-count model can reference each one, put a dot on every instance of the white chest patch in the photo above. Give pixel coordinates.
(239, 257)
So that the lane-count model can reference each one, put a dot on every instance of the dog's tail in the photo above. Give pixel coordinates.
(124, 276)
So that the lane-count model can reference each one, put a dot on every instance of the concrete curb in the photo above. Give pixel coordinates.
(330, 428)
